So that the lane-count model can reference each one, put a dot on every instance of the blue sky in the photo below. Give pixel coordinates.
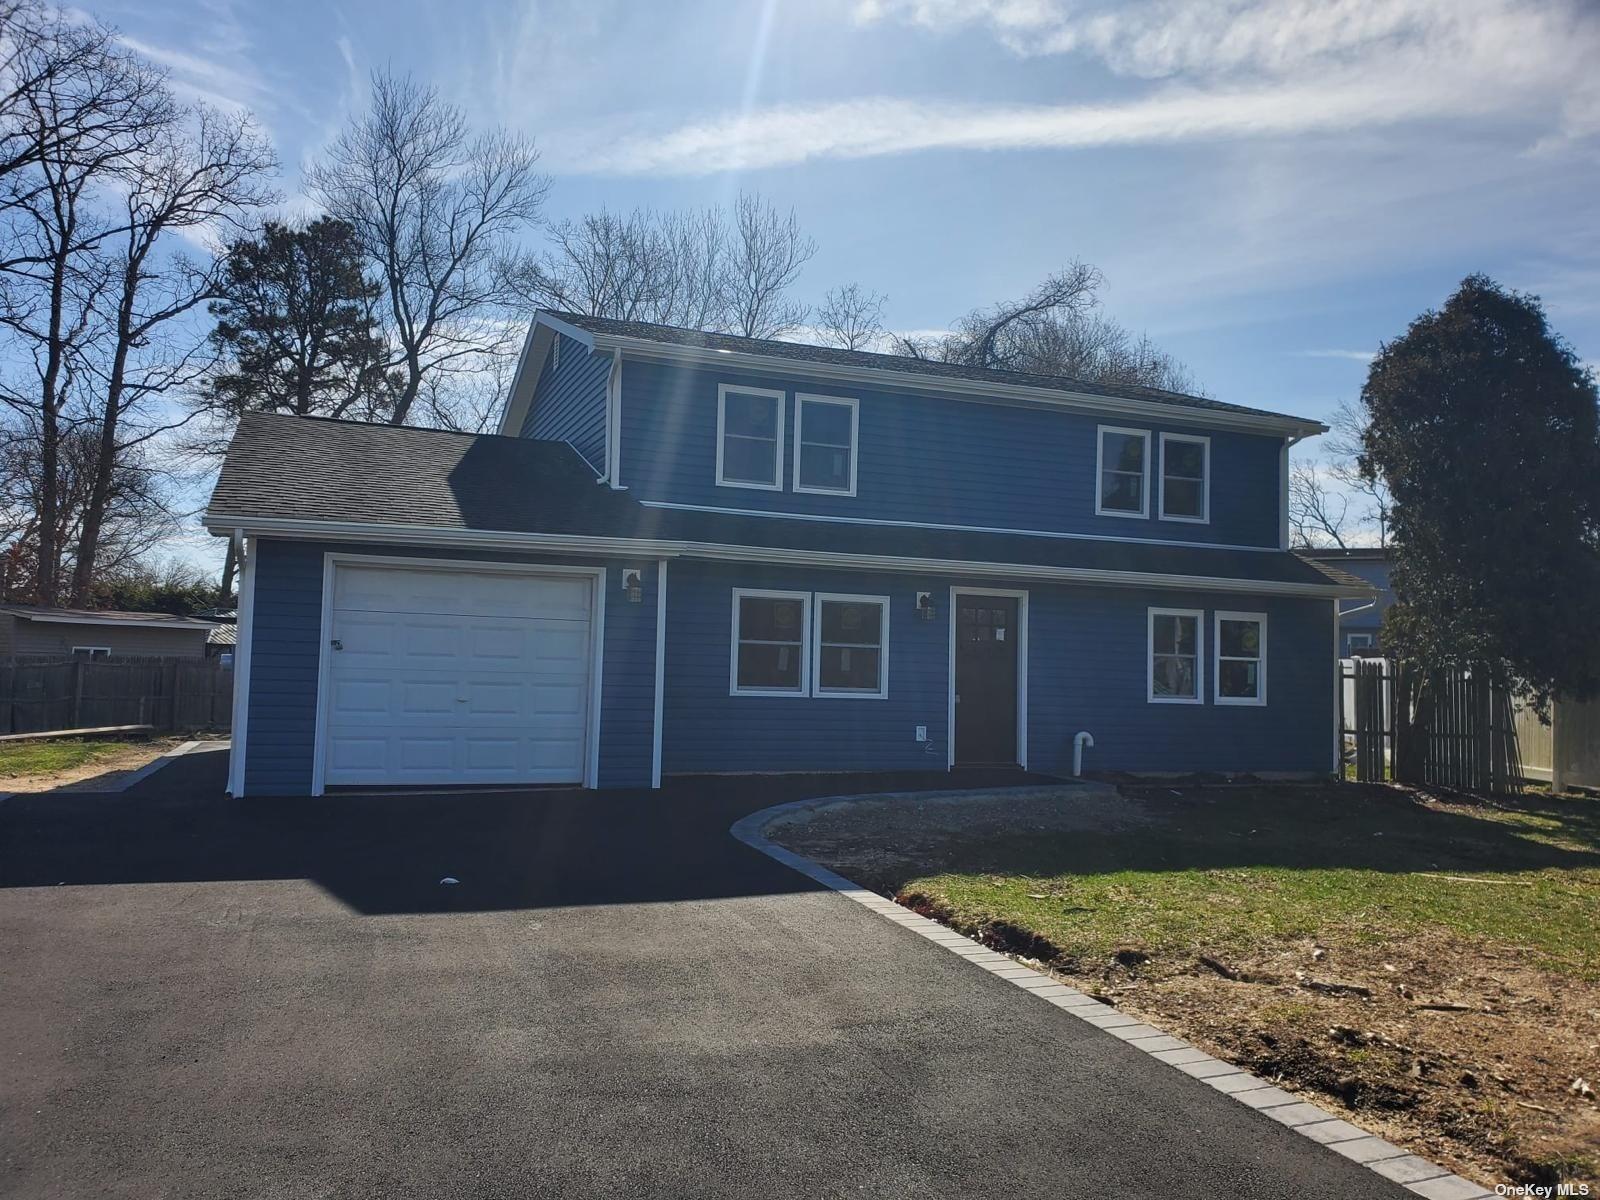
(1270, 186)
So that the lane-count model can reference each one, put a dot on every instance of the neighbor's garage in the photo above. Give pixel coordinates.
(457, 676)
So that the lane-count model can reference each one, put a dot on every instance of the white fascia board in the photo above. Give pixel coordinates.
(118, 622)
(961, 389)
(542, 331)
(612, 547)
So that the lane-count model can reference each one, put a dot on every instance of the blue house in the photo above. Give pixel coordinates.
(1360, 620)
(693, 553)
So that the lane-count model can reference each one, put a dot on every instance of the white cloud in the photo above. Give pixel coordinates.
(1365, 356)
(1273, 68)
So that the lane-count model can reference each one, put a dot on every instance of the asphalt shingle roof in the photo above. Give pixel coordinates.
(308, 469)
(804, 352)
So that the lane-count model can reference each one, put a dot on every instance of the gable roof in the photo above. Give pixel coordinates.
(731, 350)
(309, 478)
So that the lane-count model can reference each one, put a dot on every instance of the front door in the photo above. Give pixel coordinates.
(986, 679)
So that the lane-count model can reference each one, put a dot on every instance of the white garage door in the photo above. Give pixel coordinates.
(444, 677)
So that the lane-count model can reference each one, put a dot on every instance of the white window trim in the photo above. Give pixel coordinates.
(104, 651)
(777, 457)
(1199, 616)
(1365, 643)
(804, 690)
(1255, 701)
(882, 692)
(854, 405)
(1099, 472)
(1205, 478)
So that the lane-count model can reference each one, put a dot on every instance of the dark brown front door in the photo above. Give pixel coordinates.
(986, 679)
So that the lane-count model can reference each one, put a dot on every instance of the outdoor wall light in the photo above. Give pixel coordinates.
(925, 607)
(633, 584)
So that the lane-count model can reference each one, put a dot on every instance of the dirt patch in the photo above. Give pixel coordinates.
(874, 840)
(1459, 1047)
(105, 772)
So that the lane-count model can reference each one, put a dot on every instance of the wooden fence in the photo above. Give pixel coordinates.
(1451, 729)
(41, 694)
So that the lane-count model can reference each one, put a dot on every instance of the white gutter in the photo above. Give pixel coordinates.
(549, 543)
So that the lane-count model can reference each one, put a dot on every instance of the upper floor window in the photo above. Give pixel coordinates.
(825, 445)
(1123, 462)
(749, 437)
(1185, 477)
(1241, 670)
(1175, 656)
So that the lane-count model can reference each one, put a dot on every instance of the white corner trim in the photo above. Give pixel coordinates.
(804, 690)
(801, 399)
(661, 671)
(613, 475)
(597, 643)
(1204, 443)
(242, 654)
(1021, 597)
(723, 391)
(1257, 701)
(1199, 617)
(1100, 470)
(821, 598)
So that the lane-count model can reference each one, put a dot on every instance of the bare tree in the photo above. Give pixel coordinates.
(1318, 514)
(1056, 329)
(438, 210)
(1344, 444)
(605, 265)
(765, 255)
(205, 175)
(70, 134)
(851, 318)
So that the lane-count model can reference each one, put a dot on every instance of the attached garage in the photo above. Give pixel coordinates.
(482, 673)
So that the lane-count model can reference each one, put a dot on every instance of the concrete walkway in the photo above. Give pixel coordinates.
(279, 998)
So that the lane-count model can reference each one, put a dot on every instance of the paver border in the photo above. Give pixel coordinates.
(1411, 1171)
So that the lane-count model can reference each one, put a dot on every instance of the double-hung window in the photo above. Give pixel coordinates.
(797, 644)
(1174, 652)
(749, 437)
(1185, 478)
(771, 639)
(1122, 475)
(1241, 647)
(851, 633)
(825, 445)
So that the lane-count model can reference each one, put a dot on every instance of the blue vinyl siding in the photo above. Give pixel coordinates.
(1086, 671)
(1368, 616)
(284, 654)
(937, 460)
(570, 401)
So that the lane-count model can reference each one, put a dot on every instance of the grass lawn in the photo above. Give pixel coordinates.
(50, 758)
(1229, 869)
(1430, 969)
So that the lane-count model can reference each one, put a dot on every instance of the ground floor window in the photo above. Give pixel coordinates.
(771, 632)
(92, 651)
(1174, 645)
(1360, 641)
(804, 644)
(851, 634)
(1241, 672)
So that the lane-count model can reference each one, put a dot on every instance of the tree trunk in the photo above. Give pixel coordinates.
(105, 465)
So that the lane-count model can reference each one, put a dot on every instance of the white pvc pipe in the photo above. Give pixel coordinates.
(1078, 743)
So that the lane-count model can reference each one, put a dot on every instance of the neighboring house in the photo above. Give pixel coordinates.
(691, 553)
(28, 629)
(1360, 620)
(220, 642)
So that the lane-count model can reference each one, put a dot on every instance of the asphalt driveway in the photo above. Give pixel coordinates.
(279, 998)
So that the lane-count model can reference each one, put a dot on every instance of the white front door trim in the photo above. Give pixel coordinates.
(1021, 597)
(332, 560)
